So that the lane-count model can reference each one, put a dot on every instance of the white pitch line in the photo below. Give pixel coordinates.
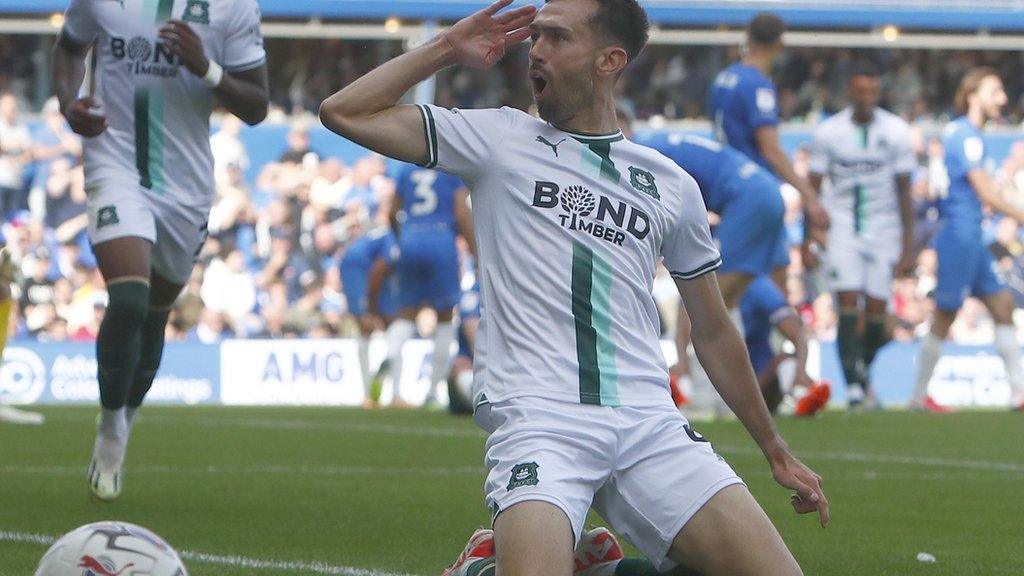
(256, 470)
(233, 561)
(301, 425)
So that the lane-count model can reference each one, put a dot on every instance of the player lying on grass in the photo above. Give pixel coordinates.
(149, 171)
(782, 377)
(571, 220)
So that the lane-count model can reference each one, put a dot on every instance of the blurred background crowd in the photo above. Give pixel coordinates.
(279, 229)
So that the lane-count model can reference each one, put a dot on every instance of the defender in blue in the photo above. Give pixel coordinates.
(965, 265)
(431, 209)
(743, 194)
(372, 293)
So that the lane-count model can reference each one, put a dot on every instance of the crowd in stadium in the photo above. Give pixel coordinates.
(270, 267)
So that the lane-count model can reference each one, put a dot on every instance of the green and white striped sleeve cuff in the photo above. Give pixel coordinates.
(430, 129)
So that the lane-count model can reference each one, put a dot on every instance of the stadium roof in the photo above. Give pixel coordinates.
(959, 15)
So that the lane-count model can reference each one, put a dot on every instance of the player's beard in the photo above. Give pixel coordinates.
(562, 100)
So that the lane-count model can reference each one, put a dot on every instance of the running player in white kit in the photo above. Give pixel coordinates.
(865, 154)
(571, 221)
(160, 66)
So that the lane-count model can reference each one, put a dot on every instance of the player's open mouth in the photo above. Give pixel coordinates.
(539, 83)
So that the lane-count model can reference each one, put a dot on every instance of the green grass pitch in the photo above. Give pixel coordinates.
(276, 491)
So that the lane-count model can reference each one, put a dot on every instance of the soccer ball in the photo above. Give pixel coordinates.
(111, 549)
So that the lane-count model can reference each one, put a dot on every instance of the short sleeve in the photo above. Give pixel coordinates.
(761, 104)
(906, 160)
(461, 142)
(818, 159)
(688, 248)
(80, 24)
(243, 47)
(972, 152)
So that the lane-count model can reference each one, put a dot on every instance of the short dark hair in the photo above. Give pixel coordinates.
(864, 68)
(765, 29)
(624, 22)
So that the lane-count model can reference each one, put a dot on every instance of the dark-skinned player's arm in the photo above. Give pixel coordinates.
(770, 147)
(245, 93)
(990, 194)
(464, 219)
(68, 73)
(810, 248)
(723, 356)
(367, 111)
(907, 262)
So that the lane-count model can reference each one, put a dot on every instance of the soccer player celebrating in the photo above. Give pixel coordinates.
(160, 67)
(965, 264)
(430, 209)
(865, 153)
(745, 112)
(571, 221)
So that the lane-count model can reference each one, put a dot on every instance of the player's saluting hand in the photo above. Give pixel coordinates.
(481, 40)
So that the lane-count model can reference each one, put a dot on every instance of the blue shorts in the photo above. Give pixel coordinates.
(752, 231)
(355, 283)
(966, 268)
(428, 271)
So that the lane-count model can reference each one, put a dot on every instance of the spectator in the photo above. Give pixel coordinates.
(15, 155)
(228, 150)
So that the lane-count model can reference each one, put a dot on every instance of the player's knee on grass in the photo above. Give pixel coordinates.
(732, 536)
(534, 538)
(117, 343)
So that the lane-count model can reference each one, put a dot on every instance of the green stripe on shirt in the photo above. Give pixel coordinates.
(583, 314)
(142, 136)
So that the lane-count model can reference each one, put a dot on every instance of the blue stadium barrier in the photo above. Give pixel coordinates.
(326, 373)
(999, 15)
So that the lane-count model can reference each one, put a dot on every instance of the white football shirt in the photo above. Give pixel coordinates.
(157, 111)
(861, 163)
(570, 229)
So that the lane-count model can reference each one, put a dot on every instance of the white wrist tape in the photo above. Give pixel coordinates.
(214, 74)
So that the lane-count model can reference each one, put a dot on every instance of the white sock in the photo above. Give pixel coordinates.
(113, 423)
(129, 415)
(786, 372)
(1009, 349)
(398, 333)
(364, 362)
(737, 320)
(931, 351)
(443, 337)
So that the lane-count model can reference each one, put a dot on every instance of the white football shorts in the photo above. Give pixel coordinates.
(644, 470)
(862, 264)
(121, 207)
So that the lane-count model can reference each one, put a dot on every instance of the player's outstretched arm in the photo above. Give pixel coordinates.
(722, 354)
(367, 111)
(770, 147)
